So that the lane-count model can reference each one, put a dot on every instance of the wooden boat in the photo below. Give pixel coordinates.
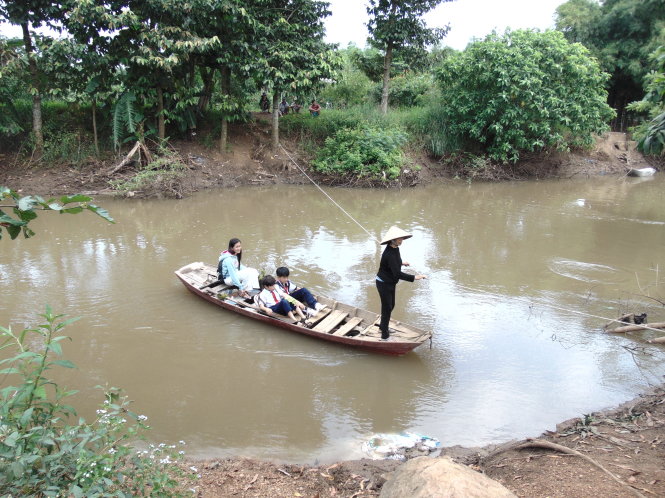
(641, 172)
(339, 323)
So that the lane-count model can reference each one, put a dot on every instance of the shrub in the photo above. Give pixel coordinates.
(523, 91)
(406, 90)
(650, 134)
(43, 454)
(363, 151)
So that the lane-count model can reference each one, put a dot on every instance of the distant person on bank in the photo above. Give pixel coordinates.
(390, 272)
(315, 108)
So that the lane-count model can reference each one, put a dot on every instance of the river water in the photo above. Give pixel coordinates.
(521, 279)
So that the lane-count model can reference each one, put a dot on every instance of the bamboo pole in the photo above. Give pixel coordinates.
(633, 328)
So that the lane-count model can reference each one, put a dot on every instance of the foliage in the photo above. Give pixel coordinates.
(43, 453)
(407, 90)
(523, 91)
(24, 209)
(350, 86)
(127, 118)
(397, 25)
(651, 134)
(362, 151)
(621, 34)
(370, 62)
(11, 86)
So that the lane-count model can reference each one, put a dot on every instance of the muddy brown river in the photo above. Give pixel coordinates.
(522, 276)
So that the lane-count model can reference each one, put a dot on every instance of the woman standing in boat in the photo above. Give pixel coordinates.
(390, 272)
(233, 272)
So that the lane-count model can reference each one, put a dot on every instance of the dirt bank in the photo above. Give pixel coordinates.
(615, 453)
(250, 161)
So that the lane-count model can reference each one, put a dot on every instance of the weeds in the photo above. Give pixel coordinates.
(164, 174)
(42, 454)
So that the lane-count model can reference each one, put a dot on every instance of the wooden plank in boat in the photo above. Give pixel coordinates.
(368, 329)
(330, 322)
(348, 326)
(319, 316)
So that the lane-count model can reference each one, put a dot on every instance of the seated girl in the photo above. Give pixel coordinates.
(273, 300)
(233, 272)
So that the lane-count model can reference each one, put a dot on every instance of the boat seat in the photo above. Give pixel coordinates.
(331, 321)
(348, 326)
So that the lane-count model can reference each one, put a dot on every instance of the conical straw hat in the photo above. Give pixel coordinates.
(395, 233)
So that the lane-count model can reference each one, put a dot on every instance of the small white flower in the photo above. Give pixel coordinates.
(101, 412)
(182, 442)
(112, 451)
(193, 469)
(181, 452)
(142, 418)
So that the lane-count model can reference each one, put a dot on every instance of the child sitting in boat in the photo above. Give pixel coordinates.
(300, 293)
(272, 299)
(232, 272)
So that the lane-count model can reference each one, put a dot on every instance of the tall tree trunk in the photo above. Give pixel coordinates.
(385, 90)
(94, 125)
(161, 126)
(275, 120)
(36, 93)
(226, 92)
(208, 78)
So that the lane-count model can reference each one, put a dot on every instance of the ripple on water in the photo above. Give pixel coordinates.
(584, 272)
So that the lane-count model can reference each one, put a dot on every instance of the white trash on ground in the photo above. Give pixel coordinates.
(399, 446)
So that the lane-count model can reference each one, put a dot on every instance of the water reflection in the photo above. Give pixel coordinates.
(521, 277)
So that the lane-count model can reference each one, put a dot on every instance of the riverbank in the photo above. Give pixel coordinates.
(613, 453)
(250, 162)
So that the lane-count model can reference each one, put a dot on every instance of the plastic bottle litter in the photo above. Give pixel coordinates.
(399, 446)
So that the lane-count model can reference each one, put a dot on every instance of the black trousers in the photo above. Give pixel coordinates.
(387, 295)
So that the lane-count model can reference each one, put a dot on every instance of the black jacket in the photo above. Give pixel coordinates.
(390, 269)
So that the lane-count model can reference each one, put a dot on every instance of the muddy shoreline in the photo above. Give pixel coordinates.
(627, 442)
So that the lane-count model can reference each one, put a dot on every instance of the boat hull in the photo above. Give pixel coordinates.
(369, 342)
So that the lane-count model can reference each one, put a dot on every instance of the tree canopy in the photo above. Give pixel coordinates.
(398, 25)
(523, 91)
(621, 34)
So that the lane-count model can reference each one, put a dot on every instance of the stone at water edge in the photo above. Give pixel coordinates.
(425, 477)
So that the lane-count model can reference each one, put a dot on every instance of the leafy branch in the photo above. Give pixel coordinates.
(24, 209)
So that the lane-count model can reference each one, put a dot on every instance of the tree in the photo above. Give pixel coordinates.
(651, 134)
(621, 34)
(294, 56)
(10, 86)
(397, 24)
(524, 91)
(577, 20)
(27, 14)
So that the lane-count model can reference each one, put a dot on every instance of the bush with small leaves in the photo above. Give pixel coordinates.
(362, 151)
